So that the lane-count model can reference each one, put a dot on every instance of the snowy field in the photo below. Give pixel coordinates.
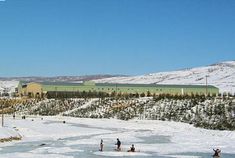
(50, 137)
(7, 132)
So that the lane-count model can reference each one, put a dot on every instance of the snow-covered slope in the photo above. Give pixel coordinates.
(6, 132)
(221, 75)
(8, 86)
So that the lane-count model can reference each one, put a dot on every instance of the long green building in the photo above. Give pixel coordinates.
(39, 89)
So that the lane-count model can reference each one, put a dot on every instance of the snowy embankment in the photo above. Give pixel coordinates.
(80, 107)
(8, 134)
(80, 137)
(8, 86)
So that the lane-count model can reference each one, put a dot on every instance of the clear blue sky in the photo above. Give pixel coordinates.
(132, 37)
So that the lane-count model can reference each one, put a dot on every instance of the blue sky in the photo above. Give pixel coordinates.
(132, 37)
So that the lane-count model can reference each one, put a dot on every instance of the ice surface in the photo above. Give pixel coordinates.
(115, 153)
(183, 156)
(80, 137)
(30, 155)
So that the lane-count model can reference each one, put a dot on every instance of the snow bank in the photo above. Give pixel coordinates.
(8, 86)
(6, 132)
(37, 129)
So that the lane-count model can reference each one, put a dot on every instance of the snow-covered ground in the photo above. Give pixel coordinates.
(221, 75)
(79, 137)
(8, 86)
(6, 132)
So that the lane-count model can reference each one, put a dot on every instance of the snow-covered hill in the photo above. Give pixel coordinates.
(221, 75)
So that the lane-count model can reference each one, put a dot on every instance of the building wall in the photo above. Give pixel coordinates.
(21, 89)
(158, 90)
(67, 88)
(134, 89)
(34, 90)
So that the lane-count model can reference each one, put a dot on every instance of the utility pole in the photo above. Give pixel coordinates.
(2, 119)
(2, 115)
(56, 92)
(116, 87)
(144, 113)
(206, 86)
(116, 90)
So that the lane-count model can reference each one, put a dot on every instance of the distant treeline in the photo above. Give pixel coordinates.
(95, 94)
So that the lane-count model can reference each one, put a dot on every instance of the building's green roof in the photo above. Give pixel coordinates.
(155, 85)
(60, 83)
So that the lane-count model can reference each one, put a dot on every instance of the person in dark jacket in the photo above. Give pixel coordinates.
(132, 148)
(217, 153)
(118, 145)
(101, 145)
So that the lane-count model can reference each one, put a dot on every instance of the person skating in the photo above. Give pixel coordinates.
(132, 148)
(217, 153)
(101, 145)
(118, 145)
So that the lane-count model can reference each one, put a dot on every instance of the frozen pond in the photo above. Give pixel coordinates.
(80, 138)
